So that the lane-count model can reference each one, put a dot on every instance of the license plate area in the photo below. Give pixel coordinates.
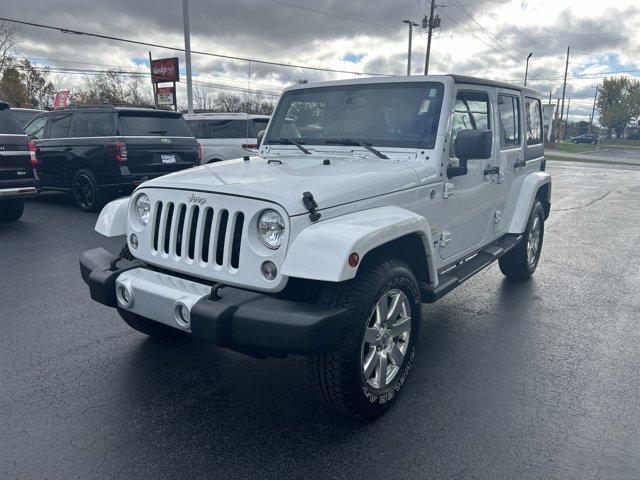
(168, 158)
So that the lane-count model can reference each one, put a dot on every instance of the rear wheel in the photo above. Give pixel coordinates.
(363, 376)
(11, 210)
(86, 191)
(522, 260)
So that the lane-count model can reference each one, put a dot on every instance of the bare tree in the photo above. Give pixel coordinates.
(228, 102)
(7, 42)
(203, 97)
(114, 86)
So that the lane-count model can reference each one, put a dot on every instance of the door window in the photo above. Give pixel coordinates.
(91, 124)
(222, 129)
(533, 121)
(36, 128)
(509, 113)
(471, 112)
(60, 126)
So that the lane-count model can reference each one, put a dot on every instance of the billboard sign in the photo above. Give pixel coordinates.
(165, 70)
(165, 95)
(62, 99)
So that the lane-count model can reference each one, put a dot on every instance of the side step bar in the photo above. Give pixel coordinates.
(455, 276)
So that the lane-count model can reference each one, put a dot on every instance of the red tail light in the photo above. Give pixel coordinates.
(118, 150)
(32, 151)
(250, 146)
(199, 152)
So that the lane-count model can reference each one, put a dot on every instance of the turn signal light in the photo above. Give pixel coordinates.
(354, 260)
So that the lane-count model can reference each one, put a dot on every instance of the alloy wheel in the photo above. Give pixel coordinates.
(533, 240)
(83, 191)
(386, 339)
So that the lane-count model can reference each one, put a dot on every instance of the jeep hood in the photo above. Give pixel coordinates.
(346, 179)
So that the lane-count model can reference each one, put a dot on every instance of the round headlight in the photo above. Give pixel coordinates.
(271, 229)
(143, 208)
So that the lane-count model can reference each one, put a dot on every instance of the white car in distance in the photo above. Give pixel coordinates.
(224, 136)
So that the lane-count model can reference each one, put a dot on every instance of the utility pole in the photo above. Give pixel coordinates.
(187, 53)
(153, 85)
(593, 110)
(564, 90)
(430, 32)
(526, 72)
(411, 25)
(556, 119)
(566, 123)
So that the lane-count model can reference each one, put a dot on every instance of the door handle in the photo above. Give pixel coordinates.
(492, 171)
(519, 163)
(68, 149)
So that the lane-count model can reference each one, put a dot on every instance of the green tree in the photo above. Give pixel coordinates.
(618, 103)
(23, 84)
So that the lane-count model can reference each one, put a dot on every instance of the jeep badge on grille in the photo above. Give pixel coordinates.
(197, 199)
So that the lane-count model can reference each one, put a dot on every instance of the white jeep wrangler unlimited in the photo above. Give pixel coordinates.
(368, 198)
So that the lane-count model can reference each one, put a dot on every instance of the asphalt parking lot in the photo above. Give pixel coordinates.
(512, 380)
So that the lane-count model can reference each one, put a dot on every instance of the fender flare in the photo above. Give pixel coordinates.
(320, 251)
(112, 220)
(530, 186)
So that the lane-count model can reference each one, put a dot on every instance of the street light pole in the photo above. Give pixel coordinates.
(411, 25)
(526, 72)
(187, 53)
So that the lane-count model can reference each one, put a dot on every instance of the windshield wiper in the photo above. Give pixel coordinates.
(290, 141)
(159, 132)
(351, 141)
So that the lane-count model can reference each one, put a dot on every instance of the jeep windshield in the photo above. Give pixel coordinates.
(379, 115)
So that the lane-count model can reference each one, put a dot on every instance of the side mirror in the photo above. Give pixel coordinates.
(470, 145)
(259, 137)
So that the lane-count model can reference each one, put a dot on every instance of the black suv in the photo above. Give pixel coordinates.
(17, 162)
(586, 138)
(96, 151)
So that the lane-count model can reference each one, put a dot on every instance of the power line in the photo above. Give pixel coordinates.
(344, 17)
(177, 49)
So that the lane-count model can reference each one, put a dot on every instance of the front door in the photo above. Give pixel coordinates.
(469, 205)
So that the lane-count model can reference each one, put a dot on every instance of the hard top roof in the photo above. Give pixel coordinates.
(224, 116)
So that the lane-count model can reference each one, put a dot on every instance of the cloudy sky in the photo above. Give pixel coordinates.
(489, 38)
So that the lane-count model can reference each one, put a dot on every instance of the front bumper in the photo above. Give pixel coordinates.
(252, 322)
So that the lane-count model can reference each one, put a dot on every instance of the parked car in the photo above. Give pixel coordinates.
(96, 151)
(226, 135)
(329, 241)
(586, 138)
(17, 163)
(25, 115)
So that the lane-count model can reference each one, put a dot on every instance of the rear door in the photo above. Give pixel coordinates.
(157, 142)
(54, 154)
(15, 157)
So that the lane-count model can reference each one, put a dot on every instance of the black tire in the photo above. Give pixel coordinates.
(518, 263)
(86, 192)
(214, 160)
(11, 210)
(150, 327)
(337, 377)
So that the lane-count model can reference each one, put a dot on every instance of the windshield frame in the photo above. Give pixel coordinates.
(426, 143)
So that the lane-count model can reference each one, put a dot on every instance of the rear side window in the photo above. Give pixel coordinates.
(60, 125)
(9, 124)
(533, 121)
(23, 117)
(222, 129)
(36, 128)
(91, 124)
(136, 124)
(509, 112)
(471, 112)
(193, 126)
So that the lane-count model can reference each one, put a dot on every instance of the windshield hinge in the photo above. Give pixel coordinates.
(310, 204)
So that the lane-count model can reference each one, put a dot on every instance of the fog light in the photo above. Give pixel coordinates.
(183, 316)
(133, 240)
(269, 270)
(125, 296)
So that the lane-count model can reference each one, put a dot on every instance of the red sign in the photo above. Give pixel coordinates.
(164, 95)
(62, 98)
(165, 70)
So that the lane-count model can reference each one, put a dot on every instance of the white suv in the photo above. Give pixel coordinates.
(226, 135)
(368, 198)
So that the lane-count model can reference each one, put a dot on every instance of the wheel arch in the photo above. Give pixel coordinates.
(317, 253)
(535, 185)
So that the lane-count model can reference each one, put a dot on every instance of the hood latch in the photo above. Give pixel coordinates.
(310, 204)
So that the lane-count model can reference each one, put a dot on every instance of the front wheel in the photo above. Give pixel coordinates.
(363, 376)
(522, 260)
(11, 210)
